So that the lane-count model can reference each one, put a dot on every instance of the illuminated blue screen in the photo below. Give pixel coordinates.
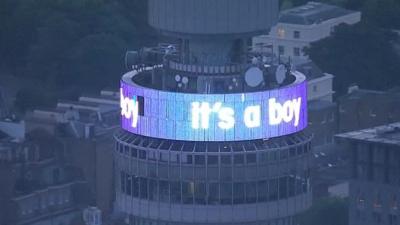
(216, 117)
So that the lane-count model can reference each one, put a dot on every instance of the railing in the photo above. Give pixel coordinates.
(204, 69)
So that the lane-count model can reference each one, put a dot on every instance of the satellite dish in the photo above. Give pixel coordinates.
(177, 78)
(280, 74)
(185, 80)
(254, 77)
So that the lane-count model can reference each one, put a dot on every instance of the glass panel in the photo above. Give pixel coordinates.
(251, 158)
(200, 193)
(128, 185)
(153, 190)
(142, 154)
(212, 160)
(175, 192)
(213, 190)
(133, 152)
(238, 193)
(226, 193)
(164, 191)
(123, 181)
(200, 159)
(251, 192)
(135, 186)
(283, 154)
(226, 159)
(143, 188)
(187, 192)
(283, 189)
(292, 183)
(273, 189)
(262, 187)
(238, 159)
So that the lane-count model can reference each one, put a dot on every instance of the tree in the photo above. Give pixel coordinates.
(361, 53)
(330, 211)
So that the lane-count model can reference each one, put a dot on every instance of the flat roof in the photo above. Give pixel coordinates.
(312, 13)
(388, 134)
(310, 70)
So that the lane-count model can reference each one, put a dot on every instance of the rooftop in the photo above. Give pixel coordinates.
(387, 134)
(312, 13)
(310, 70)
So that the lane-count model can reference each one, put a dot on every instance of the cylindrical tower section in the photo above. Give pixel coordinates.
(213, 17)
(212, 134)
(213, 32)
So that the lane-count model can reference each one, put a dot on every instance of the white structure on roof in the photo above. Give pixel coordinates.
(300, 26)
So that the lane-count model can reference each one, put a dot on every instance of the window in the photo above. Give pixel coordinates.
(175, 192)
(238, 193)
(143, 188)
(296, 34)
(226, 159)
(200, 159)
(238, 159)
(226, 193)
(200, 193)
(273, 189)
(251, 192)
(281, 50)
(134, 152)
(281, 32)
(212, 160)
(315, 88)
(296, 51)
(251, 158)
(213, 196)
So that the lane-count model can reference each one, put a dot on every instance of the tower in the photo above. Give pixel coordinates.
(211, 133)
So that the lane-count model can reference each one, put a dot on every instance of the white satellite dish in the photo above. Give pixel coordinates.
(185, 80)
(280, 74)
(177, 78)
(254, 77)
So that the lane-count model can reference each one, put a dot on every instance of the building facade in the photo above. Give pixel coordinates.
(302, 25)
(207, 136)
(375, 163)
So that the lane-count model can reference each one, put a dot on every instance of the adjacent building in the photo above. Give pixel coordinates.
(300, 26)
(375, 172)
(37, 185)
(85, 129)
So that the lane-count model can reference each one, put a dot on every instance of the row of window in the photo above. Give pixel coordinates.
(211, 159)
(282, 33)
(142, 221)
(225, 193)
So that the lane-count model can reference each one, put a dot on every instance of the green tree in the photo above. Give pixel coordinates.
(330, 211)
(362, 54)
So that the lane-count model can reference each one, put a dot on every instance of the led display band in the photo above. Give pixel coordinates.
(213, 117)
